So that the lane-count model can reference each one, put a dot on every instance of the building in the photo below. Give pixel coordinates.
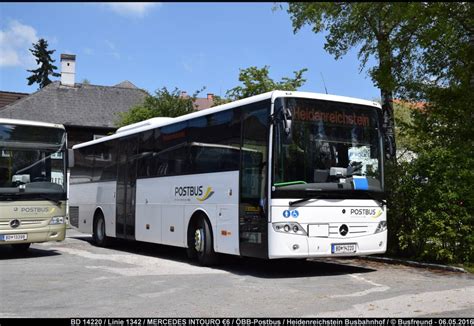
(87, 111)
(201, 103)
(7, 98)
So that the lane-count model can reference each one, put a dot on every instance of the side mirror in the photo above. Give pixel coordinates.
(390, 150)
(287, 126)
(282, 116)
(70, 158)
(287, 121)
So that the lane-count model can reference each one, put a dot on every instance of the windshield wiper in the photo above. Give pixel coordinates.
(376, 198)
(54, 199)
(289, 183)
(25, 195)
(292, 203)
(325, 193)
(9, 195)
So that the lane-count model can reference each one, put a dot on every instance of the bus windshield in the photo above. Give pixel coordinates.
(328, 147)
(32, 162)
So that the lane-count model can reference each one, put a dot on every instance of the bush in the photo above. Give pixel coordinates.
(431, 197)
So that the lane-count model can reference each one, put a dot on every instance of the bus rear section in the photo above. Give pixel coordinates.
(32, 183)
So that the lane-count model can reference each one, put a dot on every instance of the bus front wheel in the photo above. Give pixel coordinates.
(200, 243)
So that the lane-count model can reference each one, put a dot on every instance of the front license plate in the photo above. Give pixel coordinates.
(343, 248)
(13, 237)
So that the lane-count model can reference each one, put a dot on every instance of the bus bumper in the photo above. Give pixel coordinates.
(281, 245)
(50, 233)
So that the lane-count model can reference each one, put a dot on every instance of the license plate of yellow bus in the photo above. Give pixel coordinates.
(344, 248)
(13, 237)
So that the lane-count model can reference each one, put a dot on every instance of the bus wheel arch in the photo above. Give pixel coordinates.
(200, 239)
(98, 229)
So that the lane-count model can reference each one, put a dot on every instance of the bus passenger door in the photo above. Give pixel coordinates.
(253, 235)
(126, 187)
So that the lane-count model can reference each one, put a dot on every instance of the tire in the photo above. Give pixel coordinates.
(190, 250)
(21, 248)
(98, 234)
(201, 244)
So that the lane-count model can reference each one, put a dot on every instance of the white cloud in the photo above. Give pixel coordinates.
(110, 45)
(88, 51)
(193, 61)
(15, 41)
(112, 49)
(132, 9)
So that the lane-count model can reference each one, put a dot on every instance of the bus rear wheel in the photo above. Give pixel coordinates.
(98, 234)
(200, 243)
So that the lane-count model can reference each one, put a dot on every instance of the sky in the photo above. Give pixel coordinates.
(184, 45)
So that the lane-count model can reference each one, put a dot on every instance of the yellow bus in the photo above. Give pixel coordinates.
(33, 183)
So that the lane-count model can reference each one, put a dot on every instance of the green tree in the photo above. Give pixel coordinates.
(432, 197)
(256, 81)
(164, 103)
(386, 31)
(406, 141)
(45, 62)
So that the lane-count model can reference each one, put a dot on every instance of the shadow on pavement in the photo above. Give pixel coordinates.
(272, 269)
(6, 252)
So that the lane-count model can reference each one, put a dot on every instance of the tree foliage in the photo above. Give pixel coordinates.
(163, 103)
(256, 81)
(45, 62)
(383, 30)
(432, 196)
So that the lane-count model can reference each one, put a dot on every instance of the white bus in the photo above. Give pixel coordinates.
(33, 183)
(277, 175)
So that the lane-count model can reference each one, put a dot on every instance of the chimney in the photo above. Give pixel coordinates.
(68, 69)
(210, 96)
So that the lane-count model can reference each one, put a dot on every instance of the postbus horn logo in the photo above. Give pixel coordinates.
(207, 195)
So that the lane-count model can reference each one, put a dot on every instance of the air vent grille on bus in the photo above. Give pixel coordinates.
(74, 216)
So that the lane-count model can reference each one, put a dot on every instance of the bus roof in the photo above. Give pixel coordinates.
(30, 123)
(163, 121)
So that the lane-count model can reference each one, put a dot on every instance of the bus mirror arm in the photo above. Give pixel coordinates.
(70, 158)
(286, 121)
(283, 116)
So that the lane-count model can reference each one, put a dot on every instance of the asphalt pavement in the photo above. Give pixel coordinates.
(74, 278)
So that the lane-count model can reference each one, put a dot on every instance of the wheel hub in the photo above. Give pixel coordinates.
(199, 240)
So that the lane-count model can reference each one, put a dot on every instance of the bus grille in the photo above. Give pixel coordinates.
(74, 216)
(25, 223)
(355, 229)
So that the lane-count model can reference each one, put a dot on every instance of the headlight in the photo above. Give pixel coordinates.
(381, 227)
(289, 227)
(57, 220)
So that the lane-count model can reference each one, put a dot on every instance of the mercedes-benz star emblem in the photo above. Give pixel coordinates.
(15, 223)
(343, 230)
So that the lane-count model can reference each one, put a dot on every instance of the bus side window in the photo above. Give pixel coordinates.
(145, 154)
